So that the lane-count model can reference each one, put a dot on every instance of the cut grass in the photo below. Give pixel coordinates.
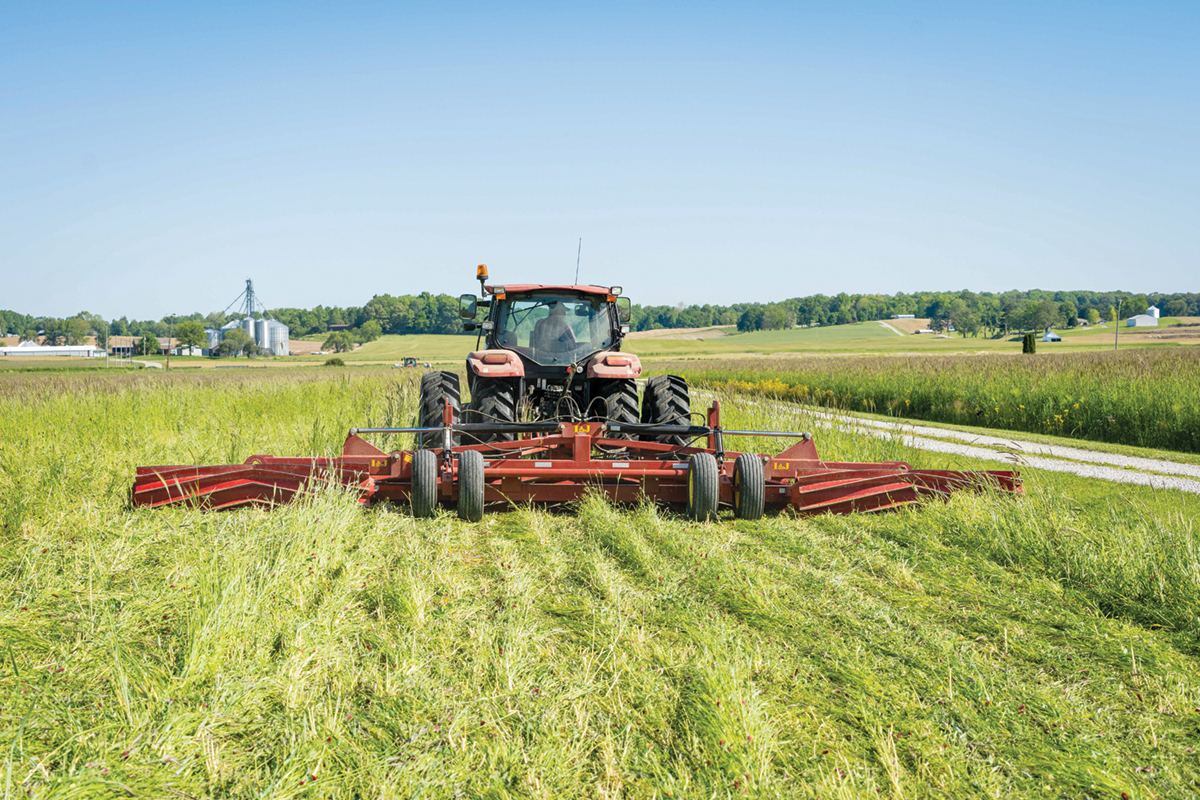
(986, 647)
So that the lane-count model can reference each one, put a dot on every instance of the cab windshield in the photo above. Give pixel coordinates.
(555, 330)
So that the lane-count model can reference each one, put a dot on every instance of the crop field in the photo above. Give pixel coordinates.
(1036, 646)
(1142, 397)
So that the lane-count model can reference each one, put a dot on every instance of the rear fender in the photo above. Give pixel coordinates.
(610, 365)
(496, 364)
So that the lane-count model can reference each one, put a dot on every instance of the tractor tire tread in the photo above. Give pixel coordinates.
(620, 398)
(665, 401)
(749, 487)
(424, 494)
(470, 485)
(436, 388)
(492, 400)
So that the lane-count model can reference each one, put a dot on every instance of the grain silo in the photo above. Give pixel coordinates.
(277, 338)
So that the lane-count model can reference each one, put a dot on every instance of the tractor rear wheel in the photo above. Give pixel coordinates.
(704, 486)
(470, 485)
(620, 399)
(749, 487)
(665, 402)
(423, 496)
(437, 388)
(492, 400)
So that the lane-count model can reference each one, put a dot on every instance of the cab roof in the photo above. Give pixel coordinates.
(522, 288)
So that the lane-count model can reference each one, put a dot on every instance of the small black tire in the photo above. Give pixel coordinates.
(665, 401)
(437, 388)
(749, 487)
(704, 487)
(470, 485)
(424, 493)
(620, 401)
(492, 400)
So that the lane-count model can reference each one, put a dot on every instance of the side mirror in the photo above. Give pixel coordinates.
(468, 305)
(624, 310)
(469, 326)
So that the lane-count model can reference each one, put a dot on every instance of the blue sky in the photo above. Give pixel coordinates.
(153, 157)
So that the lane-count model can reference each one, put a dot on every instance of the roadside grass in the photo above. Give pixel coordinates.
(991, 646)
(1144, 398)
(1037, 438)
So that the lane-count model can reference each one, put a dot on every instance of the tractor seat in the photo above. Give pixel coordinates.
(552, 335)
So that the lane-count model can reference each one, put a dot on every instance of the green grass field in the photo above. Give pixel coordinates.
(863, 337)
(1001, 647)
(858, 338)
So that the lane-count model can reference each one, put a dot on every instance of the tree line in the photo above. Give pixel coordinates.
(970, 313)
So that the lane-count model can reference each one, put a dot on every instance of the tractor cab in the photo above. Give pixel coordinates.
(555, 326)
(550, 352)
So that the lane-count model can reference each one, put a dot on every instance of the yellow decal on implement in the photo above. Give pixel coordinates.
(781, 466)
(583, 428)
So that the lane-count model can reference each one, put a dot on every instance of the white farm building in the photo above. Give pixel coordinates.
(1147, 320)
(28, 348)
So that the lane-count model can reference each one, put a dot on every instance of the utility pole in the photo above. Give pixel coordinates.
(170, 336)
(1117, 325)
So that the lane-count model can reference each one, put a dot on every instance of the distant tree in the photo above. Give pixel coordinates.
(1176, 308)
(1112, 314)
(1068, 313)
(967, 321)
(338, 342)
(777, 317)
(750, 320)
(146, 345)
(29, 335)
(941, 314)
(1093, 316)
(1029, 344)
(1045, 314)
(369, 331)
(235, 342)
(191, 334)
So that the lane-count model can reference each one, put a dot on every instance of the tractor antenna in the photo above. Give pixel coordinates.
(577, 254)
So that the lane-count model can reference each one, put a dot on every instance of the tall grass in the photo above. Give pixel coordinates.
(1145, 398)
(325, 650)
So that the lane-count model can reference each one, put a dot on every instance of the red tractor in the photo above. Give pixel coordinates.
(550, 353)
